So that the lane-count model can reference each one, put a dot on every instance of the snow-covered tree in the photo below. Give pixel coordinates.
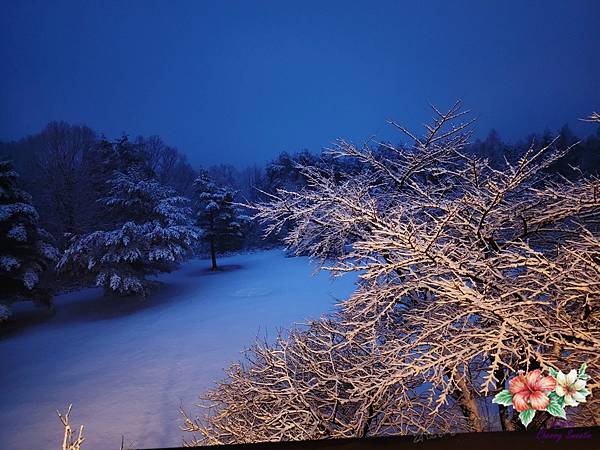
(217, 216)
(468, 273)
(594, 117)
(26, 250)
(154, 232)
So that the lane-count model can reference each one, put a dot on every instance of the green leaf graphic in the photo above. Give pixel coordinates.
(526, 417)
(582, 369)
(503, 398)
(553, 372)
(556, 399)
(557, 410)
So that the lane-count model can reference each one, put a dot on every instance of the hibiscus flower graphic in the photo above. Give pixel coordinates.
(531, 390)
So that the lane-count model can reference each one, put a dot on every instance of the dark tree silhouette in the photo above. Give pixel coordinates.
(217, 217)
(26, 249)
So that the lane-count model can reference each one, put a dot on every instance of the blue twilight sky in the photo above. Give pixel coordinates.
(240, 81)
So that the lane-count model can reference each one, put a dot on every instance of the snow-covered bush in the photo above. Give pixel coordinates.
(217, 216)
(4, 313)
(26, 250)
(468, 274)
(155, 232)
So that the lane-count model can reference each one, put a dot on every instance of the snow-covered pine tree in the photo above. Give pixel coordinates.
(216, 214)
(27, 249)
(153, 232)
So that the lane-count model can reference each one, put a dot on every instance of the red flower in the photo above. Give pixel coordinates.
(531, 388)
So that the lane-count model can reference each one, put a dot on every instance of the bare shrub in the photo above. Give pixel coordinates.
(71, 441)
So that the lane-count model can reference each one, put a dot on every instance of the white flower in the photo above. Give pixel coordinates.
(571, 388)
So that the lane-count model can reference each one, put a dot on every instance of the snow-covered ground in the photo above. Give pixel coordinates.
(127, 367)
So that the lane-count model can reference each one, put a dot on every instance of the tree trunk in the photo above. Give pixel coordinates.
(466, 402)
(468, 405)
(213, 255)
(506, 418)
(367, 424)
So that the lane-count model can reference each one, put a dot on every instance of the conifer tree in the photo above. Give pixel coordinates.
(217, 217)
(27, 250)
(152, 232)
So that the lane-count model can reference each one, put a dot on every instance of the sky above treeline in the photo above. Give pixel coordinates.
(240, 81)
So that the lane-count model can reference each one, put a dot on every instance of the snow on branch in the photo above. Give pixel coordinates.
(468, 273)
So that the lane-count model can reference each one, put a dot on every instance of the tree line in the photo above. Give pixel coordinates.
(78, 208)
(86, 211)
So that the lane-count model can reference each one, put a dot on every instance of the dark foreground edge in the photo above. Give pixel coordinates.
(563, 438)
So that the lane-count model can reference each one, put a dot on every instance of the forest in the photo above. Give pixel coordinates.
(72, 197)
(474, 259)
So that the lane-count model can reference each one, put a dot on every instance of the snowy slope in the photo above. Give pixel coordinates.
(127, 367)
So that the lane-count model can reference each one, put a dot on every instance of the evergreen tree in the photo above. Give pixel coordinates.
(217, 216)
(99, 164)
(26, 250)
(153, 232)
(493, 149)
